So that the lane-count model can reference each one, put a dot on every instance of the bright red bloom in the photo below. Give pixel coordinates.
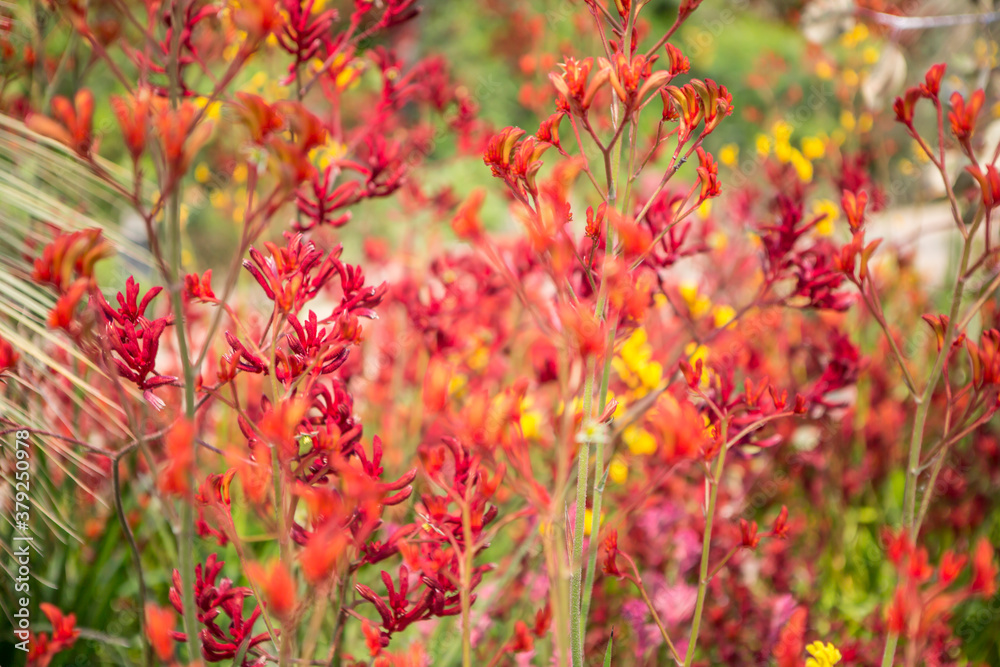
(932, 80)
(136, 339)
(963, 114)
(213, 597)
(8, 357)
(160, 623)
(780, 529)
(984, 569)
(73, 123)
(133, 117)
(749, 539)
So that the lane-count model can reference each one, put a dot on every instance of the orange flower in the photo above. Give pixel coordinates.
(277, 586)
(160, 623)
(133, 117)
(176, 478)
(72, 124)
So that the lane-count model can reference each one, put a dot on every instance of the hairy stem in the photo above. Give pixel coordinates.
(706, 546)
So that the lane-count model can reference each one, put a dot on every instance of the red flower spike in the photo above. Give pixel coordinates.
(780, 529)
(984, 569)
(905, 105)
(73, 122)
(179, 446)
(199, 288)
(963, 114)
(135, 339)
(679, 64)
(951, 566)
(708, 175)
(68, 254)
(748, 534)
(8, 357)
(160, 623)
(133, 117)
(466, 223)
(213, 597)
(610, 565)
(854, 204)
(989, 185)
(932, 81)
(522, 641)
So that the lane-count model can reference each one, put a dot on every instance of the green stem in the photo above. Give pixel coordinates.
(147, 654)
(600, 477)
(706, 547)
(186, 548)
(583, 467)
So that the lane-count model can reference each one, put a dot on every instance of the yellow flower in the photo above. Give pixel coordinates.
(763, 145)
(847, 120)
(530, 424)
(716, 241)
(635, 365)
(782, 149)
(698, 304)
(617, 470)
(258, 80)
(803, 167)
(640, 441)
(813, 148)
(729, 154)
(855, 36)
(240, 173)
(851, 77)
(202, 173)
(870, 54)
(588, 519)
(822, 655)
(865, 122)
(704, 209)
(825, 227)
(824, 70)
(723, 316)
(211, 110)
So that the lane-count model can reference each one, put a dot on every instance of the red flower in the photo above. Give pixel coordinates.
(932, 80)
(989, 184)
(179, 446)
(904, 106)
(69, 254)
(611, 554)
(72, 124)
(211, 599)
(136, 339)
(748, 534)
(466, 223)
(199, 288)
(951, 566)
(8, 357)
(984, 569)
(854, 205)
(708, 175)
(277, 586)
(517, 164)
(133, 117)
(963, 115)
(160, 624)
(780, 529)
